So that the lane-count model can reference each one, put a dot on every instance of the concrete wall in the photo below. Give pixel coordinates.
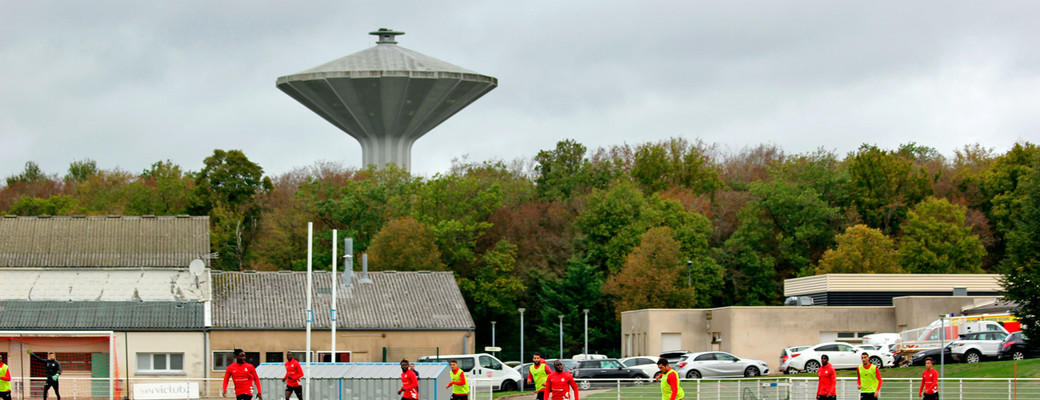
(749, 332)
(365, 346)
(918, 311)
(192, 344)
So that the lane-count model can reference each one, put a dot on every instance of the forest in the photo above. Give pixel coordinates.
(669, 224)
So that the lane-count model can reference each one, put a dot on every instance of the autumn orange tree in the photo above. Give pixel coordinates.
(650, 275)
(861, 249)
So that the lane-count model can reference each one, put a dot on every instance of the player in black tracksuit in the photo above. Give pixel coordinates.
(53, 371)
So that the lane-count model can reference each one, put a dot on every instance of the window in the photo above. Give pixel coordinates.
(465, 363)
(845, 347)
(611, 364)
(705, 357)
(725, 357)
(221, 359)
(829, 347)
(489, 363)
(326, 356)
(160, 363)
(274, 357)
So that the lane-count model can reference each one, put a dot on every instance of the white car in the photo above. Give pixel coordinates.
(977, 346)
(785, 358)
(492, 371)
(841, 355)
(645, 363)
(712, 364)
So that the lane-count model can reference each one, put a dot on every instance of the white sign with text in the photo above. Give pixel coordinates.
(172, 390)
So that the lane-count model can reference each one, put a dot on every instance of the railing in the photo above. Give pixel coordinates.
(765, 388)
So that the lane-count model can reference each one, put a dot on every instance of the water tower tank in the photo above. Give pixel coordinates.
(386, 96)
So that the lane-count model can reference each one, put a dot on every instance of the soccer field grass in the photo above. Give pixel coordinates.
(989, 369)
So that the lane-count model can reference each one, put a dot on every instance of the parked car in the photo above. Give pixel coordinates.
(498, 375)
(673, 356)
(712, 364)
(646, 364)
(977, 346)
(919, 357)
(841, 355)
(525, 368)
(1015, 347)
(881, 339)
(582, 357)
(785, 357)
(609, 368)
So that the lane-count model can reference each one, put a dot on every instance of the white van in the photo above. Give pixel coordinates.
(484, 369)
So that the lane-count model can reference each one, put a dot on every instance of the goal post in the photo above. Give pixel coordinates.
(88, 361)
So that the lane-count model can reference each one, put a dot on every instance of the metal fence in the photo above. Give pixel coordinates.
(704, 389)
(805, 389)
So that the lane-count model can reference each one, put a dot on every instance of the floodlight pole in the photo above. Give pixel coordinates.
(493, 335)
(521, 309)
(335, 282)
(942, 351)
(561, 336)
(586, 311)
(689, 273)
(310, 311)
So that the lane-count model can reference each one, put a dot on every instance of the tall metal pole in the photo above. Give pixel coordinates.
(493, 336)
(521, 309)
(942, 351)
(586, 311)
(689, 273)
(561, 336)
(310, 311)
(335, 282)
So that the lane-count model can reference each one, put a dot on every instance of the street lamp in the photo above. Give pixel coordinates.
(689, 273)
(561, 336)
(586, 311)
(942, 350)
(493, 336)
(521, 309)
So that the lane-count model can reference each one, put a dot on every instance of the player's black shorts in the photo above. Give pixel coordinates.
(826, 397)
(867, 396)
(540, 395)
(5, 395)
(459, 396)
(931, 396)
(244, 397)
(294, 389)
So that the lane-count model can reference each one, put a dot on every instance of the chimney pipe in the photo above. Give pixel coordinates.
(364, 269)
(348, 262)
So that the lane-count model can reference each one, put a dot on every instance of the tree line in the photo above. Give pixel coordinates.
(667, 224)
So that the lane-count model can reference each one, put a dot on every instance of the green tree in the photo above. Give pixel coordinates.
(936, 241)
(405, 244)
(162, 189)
(1000, 186)
(674, 164)
(32, 174)
(1022, 265)
(33, 206)
(227, 189)
(563, 171)
(80, 170)
(494, 288)
(650, 277)
(861, 250)
(577, 290)
(884, 185)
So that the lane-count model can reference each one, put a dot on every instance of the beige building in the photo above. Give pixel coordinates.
(382, 316)
(762, 332)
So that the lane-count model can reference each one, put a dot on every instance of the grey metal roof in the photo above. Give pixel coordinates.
(103, 284)
(106, 315)
(394, 300)
(369, 370)
(102, 241)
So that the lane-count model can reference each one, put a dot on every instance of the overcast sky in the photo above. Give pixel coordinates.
(128, 83)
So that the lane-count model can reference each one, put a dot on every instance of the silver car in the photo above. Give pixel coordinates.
(719, 364)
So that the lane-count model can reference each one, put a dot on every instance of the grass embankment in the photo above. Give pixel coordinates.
(988, 369)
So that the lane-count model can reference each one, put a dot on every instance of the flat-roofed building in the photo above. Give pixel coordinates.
(880, 289)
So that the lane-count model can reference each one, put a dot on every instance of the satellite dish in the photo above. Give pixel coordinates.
(197, 267)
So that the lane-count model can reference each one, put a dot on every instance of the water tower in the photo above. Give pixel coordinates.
(386, 96)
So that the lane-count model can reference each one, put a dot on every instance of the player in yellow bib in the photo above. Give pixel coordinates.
(459, 386)
(670, 388)
(538, 373)
(868, 378)
(5, 381)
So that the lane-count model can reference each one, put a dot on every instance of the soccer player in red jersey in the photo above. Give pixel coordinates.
(293, 373)
(929, 382)
(244, 375)
(559, 382)
(409, 383)
(828, 386)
